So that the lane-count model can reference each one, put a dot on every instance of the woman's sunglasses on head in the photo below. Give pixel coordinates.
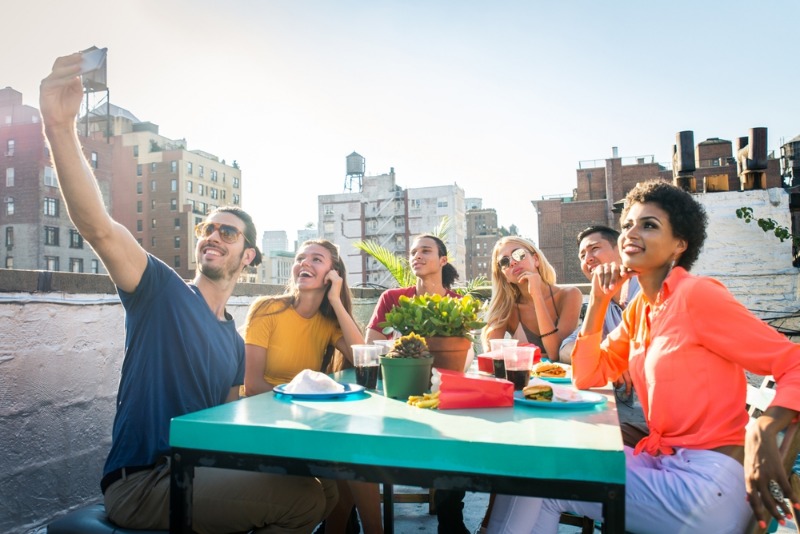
(227, 232)
(517, 255)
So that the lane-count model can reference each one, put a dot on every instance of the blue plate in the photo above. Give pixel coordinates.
(554, 379)
(349, 389)
(590, 399)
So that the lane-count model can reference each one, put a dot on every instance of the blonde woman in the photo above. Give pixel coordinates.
(526, 302)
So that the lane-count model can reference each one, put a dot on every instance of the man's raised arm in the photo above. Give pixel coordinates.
(60, 98)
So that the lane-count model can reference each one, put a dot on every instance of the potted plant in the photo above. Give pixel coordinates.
(445, 322)
(406, 368)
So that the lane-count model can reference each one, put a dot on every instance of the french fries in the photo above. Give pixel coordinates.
(426, 400)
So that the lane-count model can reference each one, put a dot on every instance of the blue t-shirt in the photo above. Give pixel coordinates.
(179, 358)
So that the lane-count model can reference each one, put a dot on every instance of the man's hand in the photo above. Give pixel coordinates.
(60, 94)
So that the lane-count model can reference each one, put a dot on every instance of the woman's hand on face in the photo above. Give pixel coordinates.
(335, 282)
(607, 278)
(533, 279)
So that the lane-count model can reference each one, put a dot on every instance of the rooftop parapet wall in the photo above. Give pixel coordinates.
(61, 350)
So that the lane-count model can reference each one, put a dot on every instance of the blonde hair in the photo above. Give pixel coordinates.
(504, 293)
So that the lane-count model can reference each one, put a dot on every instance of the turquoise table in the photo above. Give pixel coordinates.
(566, 454)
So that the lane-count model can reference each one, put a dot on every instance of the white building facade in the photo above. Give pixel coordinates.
(391, 216)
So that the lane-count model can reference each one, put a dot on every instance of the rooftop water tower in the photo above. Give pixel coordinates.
(355, 172)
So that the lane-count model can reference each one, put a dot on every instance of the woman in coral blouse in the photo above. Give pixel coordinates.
(526, 302)
(685, 341)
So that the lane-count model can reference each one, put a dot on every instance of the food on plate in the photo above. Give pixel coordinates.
(538, 392)
(552, 370)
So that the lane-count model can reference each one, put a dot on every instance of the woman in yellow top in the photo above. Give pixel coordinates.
(288, 333)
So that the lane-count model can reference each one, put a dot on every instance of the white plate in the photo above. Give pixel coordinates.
(589, 399)
(349, 389)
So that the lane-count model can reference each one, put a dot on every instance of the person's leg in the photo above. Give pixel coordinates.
(449, 505)
(227, 500)
(336, 522)
(367, 497)
(141, 500)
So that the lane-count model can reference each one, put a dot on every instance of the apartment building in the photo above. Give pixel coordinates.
(37, 233)
(161, 189)
(384, 212)
(482, 234)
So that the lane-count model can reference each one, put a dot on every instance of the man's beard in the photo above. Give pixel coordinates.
(220, 273)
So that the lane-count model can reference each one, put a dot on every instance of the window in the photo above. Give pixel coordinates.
(75, 265)
(200, 189)
(223, 194)
(176, 262)
(138, 169)
(51, 236)
(9, 205)
(177, 241)
(51, 206)
(50, 177)
(152, 223)
(153, 204)
(9, 236)
(10, 177)
(75, 239)
(173, 185)
(177, 223)
(201, 171)
(95, 267)
(223, 177)
(236, 199)
(153, 167)
(153, 241)
(236, 182)
(94, 166)
(9, 262)
(138, 206)
(173, 166)
(139, 225)
(138, 188)
(173, 204)
(415, 203)
(188, 167)
(152, 185)
(51, 263)
(188, 186)
(327, 209)
(10, 147)
(214, 193)
(135, 151)
(213, 176)
(442, 203)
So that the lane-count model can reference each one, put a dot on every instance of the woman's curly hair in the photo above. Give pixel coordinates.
(686, 216)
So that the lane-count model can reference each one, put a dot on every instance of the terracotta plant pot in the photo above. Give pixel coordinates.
(449, 352)
(403, 377)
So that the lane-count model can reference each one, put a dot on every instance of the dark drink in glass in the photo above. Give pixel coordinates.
(367, 376)
(499, 367)
(518, 377)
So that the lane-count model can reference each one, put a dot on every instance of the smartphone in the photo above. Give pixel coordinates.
(92, 59)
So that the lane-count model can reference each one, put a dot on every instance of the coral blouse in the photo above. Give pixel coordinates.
(686, 353)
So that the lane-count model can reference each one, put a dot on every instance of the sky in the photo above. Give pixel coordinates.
(503, 98)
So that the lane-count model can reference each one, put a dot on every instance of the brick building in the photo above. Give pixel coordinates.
(482, 234)
(603, 183)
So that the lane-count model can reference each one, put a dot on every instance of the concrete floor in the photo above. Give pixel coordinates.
(414, 518)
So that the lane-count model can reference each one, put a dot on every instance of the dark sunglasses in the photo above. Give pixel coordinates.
(227, 232)
(518, 254)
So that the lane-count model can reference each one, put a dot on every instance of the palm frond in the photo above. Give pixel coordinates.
(397, 265)
(443, 228)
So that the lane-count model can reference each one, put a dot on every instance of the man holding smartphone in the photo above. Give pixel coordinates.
(182, 351)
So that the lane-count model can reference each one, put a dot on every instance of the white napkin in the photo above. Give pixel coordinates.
(560, 393)
(308, 381)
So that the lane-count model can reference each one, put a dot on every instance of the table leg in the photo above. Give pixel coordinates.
(388, 509)
(180, 494)
(614, 511)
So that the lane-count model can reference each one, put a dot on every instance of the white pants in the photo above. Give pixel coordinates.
(689, 492)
